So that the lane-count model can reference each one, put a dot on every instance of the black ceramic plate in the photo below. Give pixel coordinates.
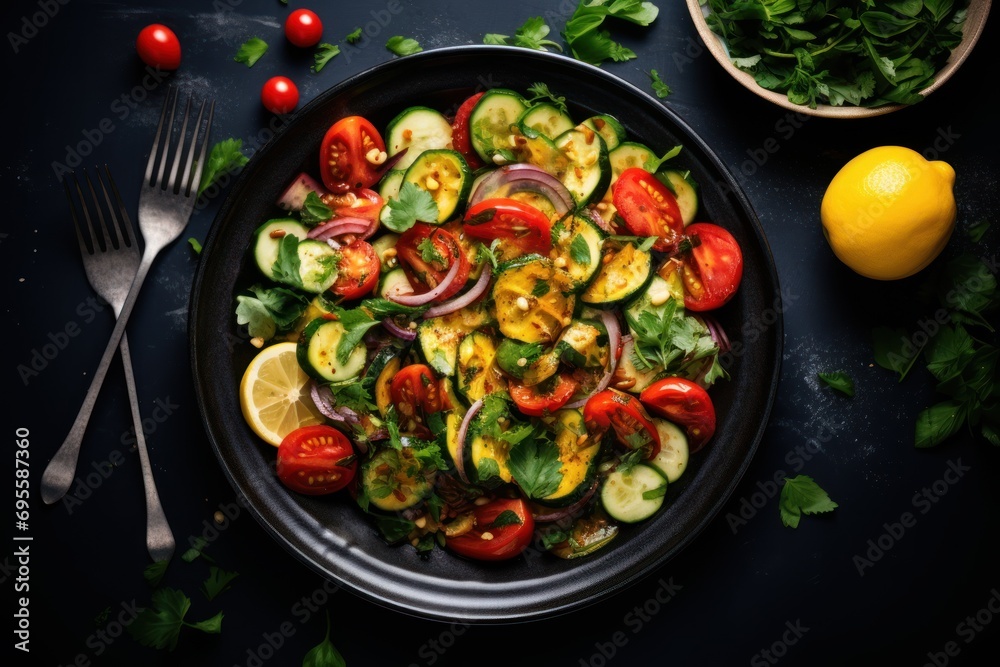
(333, 536)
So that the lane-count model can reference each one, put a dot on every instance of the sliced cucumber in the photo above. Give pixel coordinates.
(626, 155)
(478, 374)
(685, 190)
(439, 337)
(539, 363)
(584, 344)
(317, 352)
(394, 282)
(491, 120)
(672, 459)
(578, 461)
(317, 265)
(267, 240)
(545, 119)
(388, 187)
(393, 480)
(587, 534)
(379, 374)
(417, 129)
(382, 245)
(576, 244)
(656, 294)
(633, 495)
(445, 174)
(629, 369)
(621, 278)
(534, 299)
(608, 127)
(588, 171)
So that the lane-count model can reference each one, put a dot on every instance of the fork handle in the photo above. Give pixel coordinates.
(159, 538)
(61, 470)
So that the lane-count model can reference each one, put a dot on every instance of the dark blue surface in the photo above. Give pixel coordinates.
(738, 590)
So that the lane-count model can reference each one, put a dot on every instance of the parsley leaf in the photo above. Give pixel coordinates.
(506, 518)
(153, 574)
(354, 36)
(579, 251)
(218, 581)
(591, 44)
(225, 157)
(159, 626)
(660, 88)
(842, 382)
(356, 323)
(324, 54)
(532, 34)
(412, 204)
(197, 549)
(430, 254)
(287, 264)
(251, 51)
(314, 211)
(666, 338)
(270, 310)
(540, 93)
(403, 46)
(801, 495)
(652, 165)
(380, 308)
(534, 464)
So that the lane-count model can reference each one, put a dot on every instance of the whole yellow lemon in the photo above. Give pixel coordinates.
(889, 212)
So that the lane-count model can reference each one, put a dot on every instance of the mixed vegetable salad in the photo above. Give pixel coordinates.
(506, 316)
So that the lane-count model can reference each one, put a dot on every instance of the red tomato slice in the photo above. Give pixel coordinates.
(460, 139)
(358, 270)
(367, 206)
(648, 208)
(712, 269)
(416, 393)
(343, 164)
(545, 398)
(487, 541)
(316, 460)
(625, 414)
(524, 226)
(686, 404)
(426, 265)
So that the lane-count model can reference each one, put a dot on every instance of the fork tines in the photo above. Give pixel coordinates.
(94, 242)
(189, 180)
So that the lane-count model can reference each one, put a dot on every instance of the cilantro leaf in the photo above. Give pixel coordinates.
(403, 46)
(324, 54)
(219, 580)
(354, 36)
(356, 323)
(324, 654)
(540, 93)
(159, 626)
(411, 205)
(534, 464)
(660, 88)
(251, 51)
(842, 382)
(314, 211)
(802, 495)
(579, 251)
(270, 310)
(225, 157)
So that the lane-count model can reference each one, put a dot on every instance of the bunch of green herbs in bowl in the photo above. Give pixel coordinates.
(841, 58)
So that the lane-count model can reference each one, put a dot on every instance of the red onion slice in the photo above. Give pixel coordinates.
(427, 297)
(398, 331)
(565, 512)
(339, 227)
(463, 431)
(294, 196)
(521, 177)
(464, 300)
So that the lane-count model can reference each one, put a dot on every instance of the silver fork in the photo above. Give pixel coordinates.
(165, 206)
(110, 271)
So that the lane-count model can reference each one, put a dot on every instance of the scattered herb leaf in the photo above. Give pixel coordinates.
(354, 36)
(225, 157)
(840, 381)
(251, 51)
(412, 204)
(532, 34)
(324, 54)
(159, 626)
(802, 495)
(403, 46)
(324, 654)
(219, 580)
(153, 574)
(660, 88)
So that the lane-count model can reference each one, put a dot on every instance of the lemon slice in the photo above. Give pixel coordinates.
(274, 394)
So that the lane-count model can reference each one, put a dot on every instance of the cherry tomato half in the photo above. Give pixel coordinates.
(303, 28)
(367, 205)
(627, 416)
(545, 398)
(648, 208)
(358, 270)
(686, 404)
(426, 265)
(416, 393)
(316, 460)
(524, 226)
(460, 138)
(496, 540)
(343, 164)
(279, 95)
(712, 269)
(158, 46)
